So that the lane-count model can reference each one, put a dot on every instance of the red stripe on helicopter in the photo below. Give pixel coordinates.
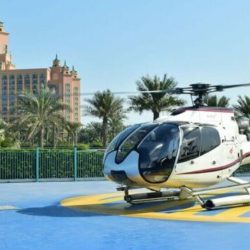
(218, 168)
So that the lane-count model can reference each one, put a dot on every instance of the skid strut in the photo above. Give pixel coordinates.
(151, 196)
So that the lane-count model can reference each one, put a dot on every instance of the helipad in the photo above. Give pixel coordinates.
(184, 210)
(91, 215)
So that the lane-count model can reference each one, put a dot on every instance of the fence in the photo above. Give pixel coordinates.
(57, 164)
(50, 164)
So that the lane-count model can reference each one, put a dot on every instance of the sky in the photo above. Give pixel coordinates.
(113, 43)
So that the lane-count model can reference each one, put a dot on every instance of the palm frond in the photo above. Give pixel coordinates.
(155, 102)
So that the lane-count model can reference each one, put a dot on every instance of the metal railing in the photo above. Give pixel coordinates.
(49, 164)
(57, 164)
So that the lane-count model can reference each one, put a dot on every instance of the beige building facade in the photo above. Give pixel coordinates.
(60, 78)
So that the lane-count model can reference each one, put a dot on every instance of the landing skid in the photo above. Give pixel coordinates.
(232, 200)
(186, 193)
(152, 197)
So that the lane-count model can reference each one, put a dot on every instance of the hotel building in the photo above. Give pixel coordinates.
(64, 81)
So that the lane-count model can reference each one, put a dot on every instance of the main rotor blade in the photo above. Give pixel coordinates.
(133, 92)
(222, 87)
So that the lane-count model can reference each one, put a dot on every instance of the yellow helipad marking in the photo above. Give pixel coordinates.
(235, 212)
(186, 210)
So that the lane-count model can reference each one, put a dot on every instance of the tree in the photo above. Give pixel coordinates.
(115, 126)
(243, 106)
(214, 101)
(91, 133)
(37, 114)
(3, 126)
(73, 129)
(155, 102)
(105, 106)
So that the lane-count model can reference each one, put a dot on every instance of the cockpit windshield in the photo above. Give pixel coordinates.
(158, 153)
(115, 143)
(157, 146)
(133, 140)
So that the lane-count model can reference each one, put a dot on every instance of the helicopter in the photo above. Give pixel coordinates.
(180, 156)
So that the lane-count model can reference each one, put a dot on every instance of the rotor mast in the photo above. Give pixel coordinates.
(200, 90)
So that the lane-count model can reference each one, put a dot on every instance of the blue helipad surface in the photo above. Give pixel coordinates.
(91, 215)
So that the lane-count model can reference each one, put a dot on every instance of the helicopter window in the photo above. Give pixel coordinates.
(190, 147)
(210, 139)
(132, 141)
(115, 143)
(158, 153)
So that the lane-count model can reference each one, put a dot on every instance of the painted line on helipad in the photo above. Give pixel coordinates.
(7, 207)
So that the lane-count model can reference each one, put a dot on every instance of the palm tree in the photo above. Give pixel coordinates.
(115, 125)
(91, 133)
(3, 126)
(214, 101)
(73, 128)
(155, 102)
(242, 107)
(38, 113)
(105, 106)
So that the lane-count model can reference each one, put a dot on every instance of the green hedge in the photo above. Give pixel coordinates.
(51, 163)
(17, 164)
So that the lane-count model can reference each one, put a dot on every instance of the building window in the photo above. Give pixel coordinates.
(4, 83)
(34, 84)
(27, 82)
(12, 88)
(19, 83)
(12, 82)
(42, 79)
(4, 77)
(67, 93)
(4, 109)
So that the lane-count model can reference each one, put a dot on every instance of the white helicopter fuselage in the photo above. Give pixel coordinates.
(207, 168)
(219, 163)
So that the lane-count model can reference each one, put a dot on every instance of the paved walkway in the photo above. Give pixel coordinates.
(31, 217)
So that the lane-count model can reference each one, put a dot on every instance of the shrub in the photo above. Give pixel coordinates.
(53, 163)
(82, 146)
(96, 145)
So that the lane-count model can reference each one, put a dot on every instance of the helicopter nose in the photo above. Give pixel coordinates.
(126, 172)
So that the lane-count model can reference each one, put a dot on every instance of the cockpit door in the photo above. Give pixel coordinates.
(190, 144)
(158, 153)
